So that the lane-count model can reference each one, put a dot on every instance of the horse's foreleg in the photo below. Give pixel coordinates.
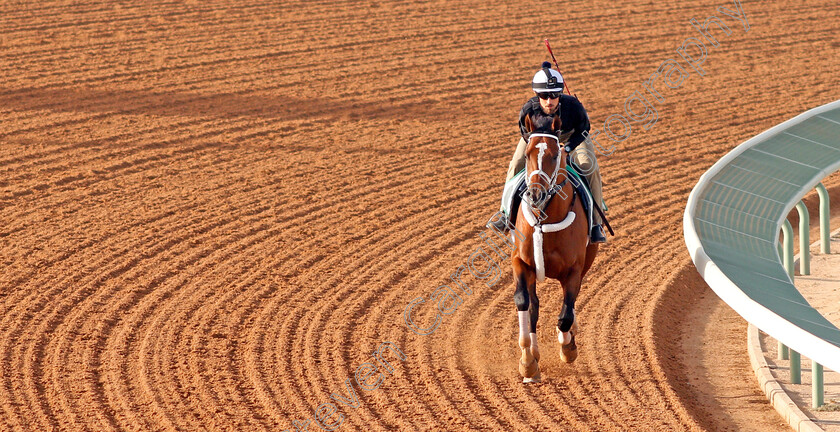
(571, 288)
(566, 326)
(524, 277)
(534, 311)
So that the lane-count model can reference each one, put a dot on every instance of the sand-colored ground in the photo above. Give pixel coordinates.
(822, 290)
(211, 213)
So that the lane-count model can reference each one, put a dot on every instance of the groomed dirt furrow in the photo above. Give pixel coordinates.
(632, 394)
(235, 308)
(375, 240)
(70, 230)
(35, 351)
(213, 212)
(55, 328)
(95, 176)
(411, 223)
(112, 15)
(603, 338)
(316, 215)
(351, 45)
(579, 387)
(123, 45)
(208, 314)
(427, 235)
(21, 313)
(161, 339)
(461, 367)
(164, 41)
(494, 314)
(210, 234)
(52, 151)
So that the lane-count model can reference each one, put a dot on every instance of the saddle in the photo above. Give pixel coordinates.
(515, 187)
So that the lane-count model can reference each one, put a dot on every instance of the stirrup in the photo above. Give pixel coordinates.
(596, 235)
(500, 224)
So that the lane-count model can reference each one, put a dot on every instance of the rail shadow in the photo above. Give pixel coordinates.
(221, 105)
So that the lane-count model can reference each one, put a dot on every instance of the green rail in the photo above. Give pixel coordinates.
(731, 228)
(786, 247)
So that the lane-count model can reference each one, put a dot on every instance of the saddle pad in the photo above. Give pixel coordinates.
(582, 187)
(511, 190)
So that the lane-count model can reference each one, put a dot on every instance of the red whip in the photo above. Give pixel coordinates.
(558, 67)
(597, 207)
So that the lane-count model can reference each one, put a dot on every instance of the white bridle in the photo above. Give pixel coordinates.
(551, 180)
(539, 228)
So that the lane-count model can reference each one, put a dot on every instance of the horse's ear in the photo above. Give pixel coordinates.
(556, 124)
(529, 126)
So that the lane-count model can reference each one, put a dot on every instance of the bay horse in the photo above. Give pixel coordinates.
(554, 243)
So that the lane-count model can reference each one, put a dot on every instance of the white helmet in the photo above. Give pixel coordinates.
(547, 80)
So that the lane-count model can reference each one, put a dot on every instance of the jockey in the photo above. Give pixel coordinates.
(549, 101)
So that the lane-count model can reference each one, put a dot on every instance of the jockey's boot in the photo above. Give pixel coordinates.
(596, 234)
(500, 224)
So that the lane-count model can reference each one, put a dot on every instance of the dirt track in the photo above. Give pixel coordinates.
(212, 213)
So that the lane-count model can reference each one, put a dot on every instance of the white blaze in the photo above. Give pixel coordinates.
(543, 147)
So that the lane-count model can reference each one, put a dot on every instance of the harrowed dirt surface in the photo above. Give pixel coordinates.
(212, 213)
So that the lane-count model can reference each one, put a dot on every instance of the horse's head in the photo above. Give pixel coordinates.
(546, 159)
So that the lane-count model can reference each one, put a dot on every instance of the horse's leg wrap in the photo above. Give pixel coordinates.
(524, 329)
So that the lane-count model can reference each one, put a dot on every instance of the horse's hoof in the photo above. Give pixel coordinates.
(534, 379)
(569, 352)
(534, 350)
(530, 370)
(568, 355)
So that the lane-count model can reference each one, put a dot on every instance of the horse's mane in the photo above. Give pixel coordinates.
(542, 124)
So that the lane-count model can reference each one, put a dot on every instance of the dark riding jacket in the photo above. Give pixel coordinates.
(572, 114)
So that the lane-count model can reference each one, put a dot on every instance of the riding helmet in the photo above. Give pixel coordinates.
(547, 80)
